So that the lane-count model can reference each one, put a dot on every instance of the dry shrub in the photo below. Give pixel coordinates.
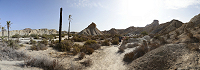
(105, 43)
(39, 47)
(45, 63)
(44, 41)
(32, 41)
(81, 56)
(115, 42)
(94, 46)
(87, 63)
(121, 50)
(89, 51)
(89, 42)
(63, 45)
(76, 49)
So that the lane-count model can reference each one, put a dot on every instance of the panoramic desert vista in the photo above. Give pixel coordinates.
(99, 34)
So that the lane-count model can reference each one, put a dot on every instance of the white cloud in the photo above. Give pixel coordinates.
(85, 3)
(176, 4)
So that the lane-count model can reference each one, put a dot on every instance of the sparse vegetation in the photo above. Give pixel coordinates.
(44, 41)
(45, 63)
(138, 52)
(115, 42)
(63, 45)
(39, 46)
(105, 43)
(144, 33)
(90, 50)
(16, 36)
(32, 41)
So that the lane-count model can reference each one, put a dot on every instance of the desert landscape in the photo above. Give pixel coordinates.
(101, 35)
(170, 45)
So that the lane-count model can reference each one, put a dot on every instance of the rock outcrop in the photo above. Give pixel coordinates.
(195, 19)
(174, 24)
(149, 28)
(30, 31)
(91, 30)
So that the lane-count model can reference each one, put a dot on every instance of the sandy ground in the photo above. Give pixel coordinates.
(15, 65)
(108, 59)
(105, 58)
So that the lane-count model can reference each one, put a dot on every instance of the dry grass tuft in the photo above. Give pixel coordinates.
(45, 63)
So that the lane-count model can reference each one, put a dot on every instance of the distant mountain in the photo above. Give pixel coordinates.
(91, 30)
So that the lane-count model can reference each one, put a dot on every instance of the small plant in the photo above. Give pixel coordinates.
(32, 41)
(138, 52)
(115, 42)
(81, 56)
(16, 36)
(39, 47)
(105, 43)
(89, 42)
(64, 45)
(144, 33)
(21, 45)
(44, 41)
(121, 50)
(90, 50)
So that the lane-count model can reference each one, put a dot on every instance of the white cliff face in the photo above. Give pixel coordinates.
(28, 32)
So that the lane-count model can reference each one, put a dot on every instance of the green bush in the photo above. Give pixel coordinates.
(105, 43)
(89, 42)
(63, 45)
(36, 37)
(115, 42)
(144, 33)
(16, 36)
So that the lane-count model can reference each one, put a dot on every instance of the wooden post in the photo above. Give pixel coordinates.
(60, 26)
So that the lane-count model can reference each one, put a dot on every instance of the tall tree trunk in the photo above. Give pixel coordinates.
(68, 30)
(2, 33)
(8, 33)
(60, 27)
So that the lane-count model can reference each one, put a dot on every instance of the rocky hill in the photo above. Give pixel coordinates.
(29, 31)
(91, 30)
(149, 28)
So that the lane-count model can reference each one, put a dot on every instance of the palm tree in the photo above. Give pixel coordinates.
(8, 26)
(2, 29)
(69, 24)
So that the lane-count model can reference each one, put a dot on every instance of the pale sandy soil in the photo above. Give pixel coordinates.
(15, 65)
(105, 58)
(108, 59)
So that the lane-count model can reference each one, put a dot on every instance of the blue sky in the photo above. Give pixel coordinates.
(107, 14)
